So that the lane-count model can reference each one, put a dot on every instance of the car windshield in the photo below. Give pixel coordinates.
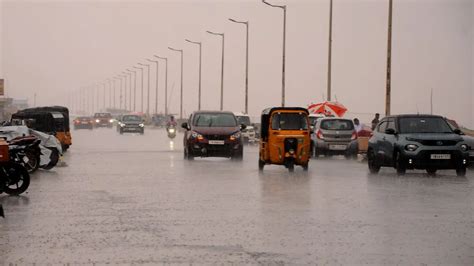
(289, 121)
(337, 124)
(103, 115)
(214, 120)
(243, 120)
(424, 125)
(131, 118)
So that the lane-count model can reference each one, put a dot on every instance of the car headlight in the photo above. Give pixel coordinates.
(411, 147)
(235, 136)
(97, 120)
(122, 124)
(111, 120)
(464, 147)
(196, 135)
(171, 130)
(141, 125)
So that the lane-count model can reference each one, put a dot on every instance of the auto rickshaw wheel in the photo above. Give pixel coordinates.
(261, 165)
(291, 166)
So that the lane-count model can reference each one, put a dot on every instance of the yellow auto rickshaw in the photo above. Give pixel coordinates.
(53, 120)
(285, 137)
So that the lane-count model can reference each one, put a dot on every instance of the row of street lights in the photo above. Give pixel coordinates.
(246, 23)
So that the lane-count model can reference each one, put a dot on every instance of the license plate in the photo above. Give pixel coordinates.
(84, 123)
(440, 156)
(338, 147)
(25, 159)
(216, 142)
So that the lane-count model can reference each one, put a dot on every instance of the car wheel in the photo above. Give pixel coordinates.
(238, 156)
(461, 172)
(431, 171)
(374, 166)
(305, 167)
(121, 132)
(400, 164)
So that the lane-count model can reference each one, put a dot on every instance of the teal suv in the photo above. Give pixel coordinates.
(417, 142)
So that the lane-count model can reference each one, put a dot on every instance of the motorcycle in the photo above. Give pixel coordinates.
(14, 178)
(171, 132)
(26, 151)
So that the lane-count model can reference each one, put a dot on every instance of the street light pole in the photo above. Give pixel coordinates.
(284, 46)
(140, 68)
(200, 62)
(181, 94)
(148, 89)
(134, 72)
(222, 68)
(246, 23)
(388, 90)
(329, 54)
(129, 76)
(156, 85)
(166, 82)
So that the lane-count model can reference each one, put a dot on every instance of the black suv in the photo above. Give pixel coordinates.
(417, 142)
(212, 133)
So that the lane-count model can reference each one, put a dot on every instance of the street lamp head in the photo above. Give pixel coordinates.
(176, 50)
(238, 21)
(272, 5)
(215, 33)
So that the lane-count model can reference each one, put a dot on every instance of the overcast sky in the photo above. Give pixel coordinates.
(54, 48)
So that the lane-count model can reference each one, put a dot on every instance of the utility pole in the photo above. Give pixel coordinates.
(388, 91)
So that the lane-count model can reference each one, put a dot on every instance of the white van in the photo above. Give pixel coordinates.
(248, 134)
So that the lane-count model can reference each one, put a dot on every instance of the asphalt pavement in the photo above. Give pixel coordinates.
(133, 199)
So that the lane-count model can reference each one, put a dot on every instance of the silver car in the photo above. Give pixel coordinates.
(335, 136)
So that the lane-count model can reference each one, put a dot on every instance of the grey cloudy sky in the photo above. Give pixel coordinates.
(54, 47)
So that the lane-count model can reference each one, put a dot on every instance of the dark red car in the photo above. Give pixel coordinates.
(213, 134)
(83, 122)
(103, 120)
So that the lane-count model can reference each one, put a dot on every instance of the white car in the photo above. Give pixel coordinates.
(248, 134)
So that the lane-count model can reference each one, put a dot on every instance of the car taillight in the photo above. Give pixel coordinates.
(319, 134)
(354, 135)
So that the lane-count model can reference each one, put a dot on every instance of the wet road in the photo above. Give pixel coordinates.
(133, 199)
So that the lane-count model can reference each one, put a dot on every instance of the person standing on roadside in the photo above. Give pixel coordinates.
(375, 121)
(357, 125)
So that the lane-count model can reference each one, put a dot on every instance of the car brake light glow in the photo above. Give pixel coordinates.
(319, 134)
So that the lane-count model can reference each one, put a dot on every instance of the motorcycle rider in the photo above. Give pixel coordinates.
(171, 123)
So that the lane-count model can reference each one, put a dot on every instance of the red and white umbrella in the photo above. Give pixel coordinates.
(327, 108)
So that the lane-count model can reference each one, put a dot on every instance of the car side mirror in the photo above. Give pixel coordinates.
(458, 131)
(390, 131)
(185, 126)
(242, 127)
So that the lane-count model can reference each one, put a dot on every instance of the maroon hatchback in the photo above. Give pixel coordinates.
(212, 134)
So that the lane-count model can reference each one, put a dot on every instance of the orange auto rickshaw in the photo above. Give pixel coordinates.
(285, 137)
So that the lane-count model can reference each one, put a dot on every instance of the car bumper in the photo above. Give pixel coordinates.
(424, 160)
(336, 148)
(132, 129)
(207, 150)
(80, 126)
(103, 124)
